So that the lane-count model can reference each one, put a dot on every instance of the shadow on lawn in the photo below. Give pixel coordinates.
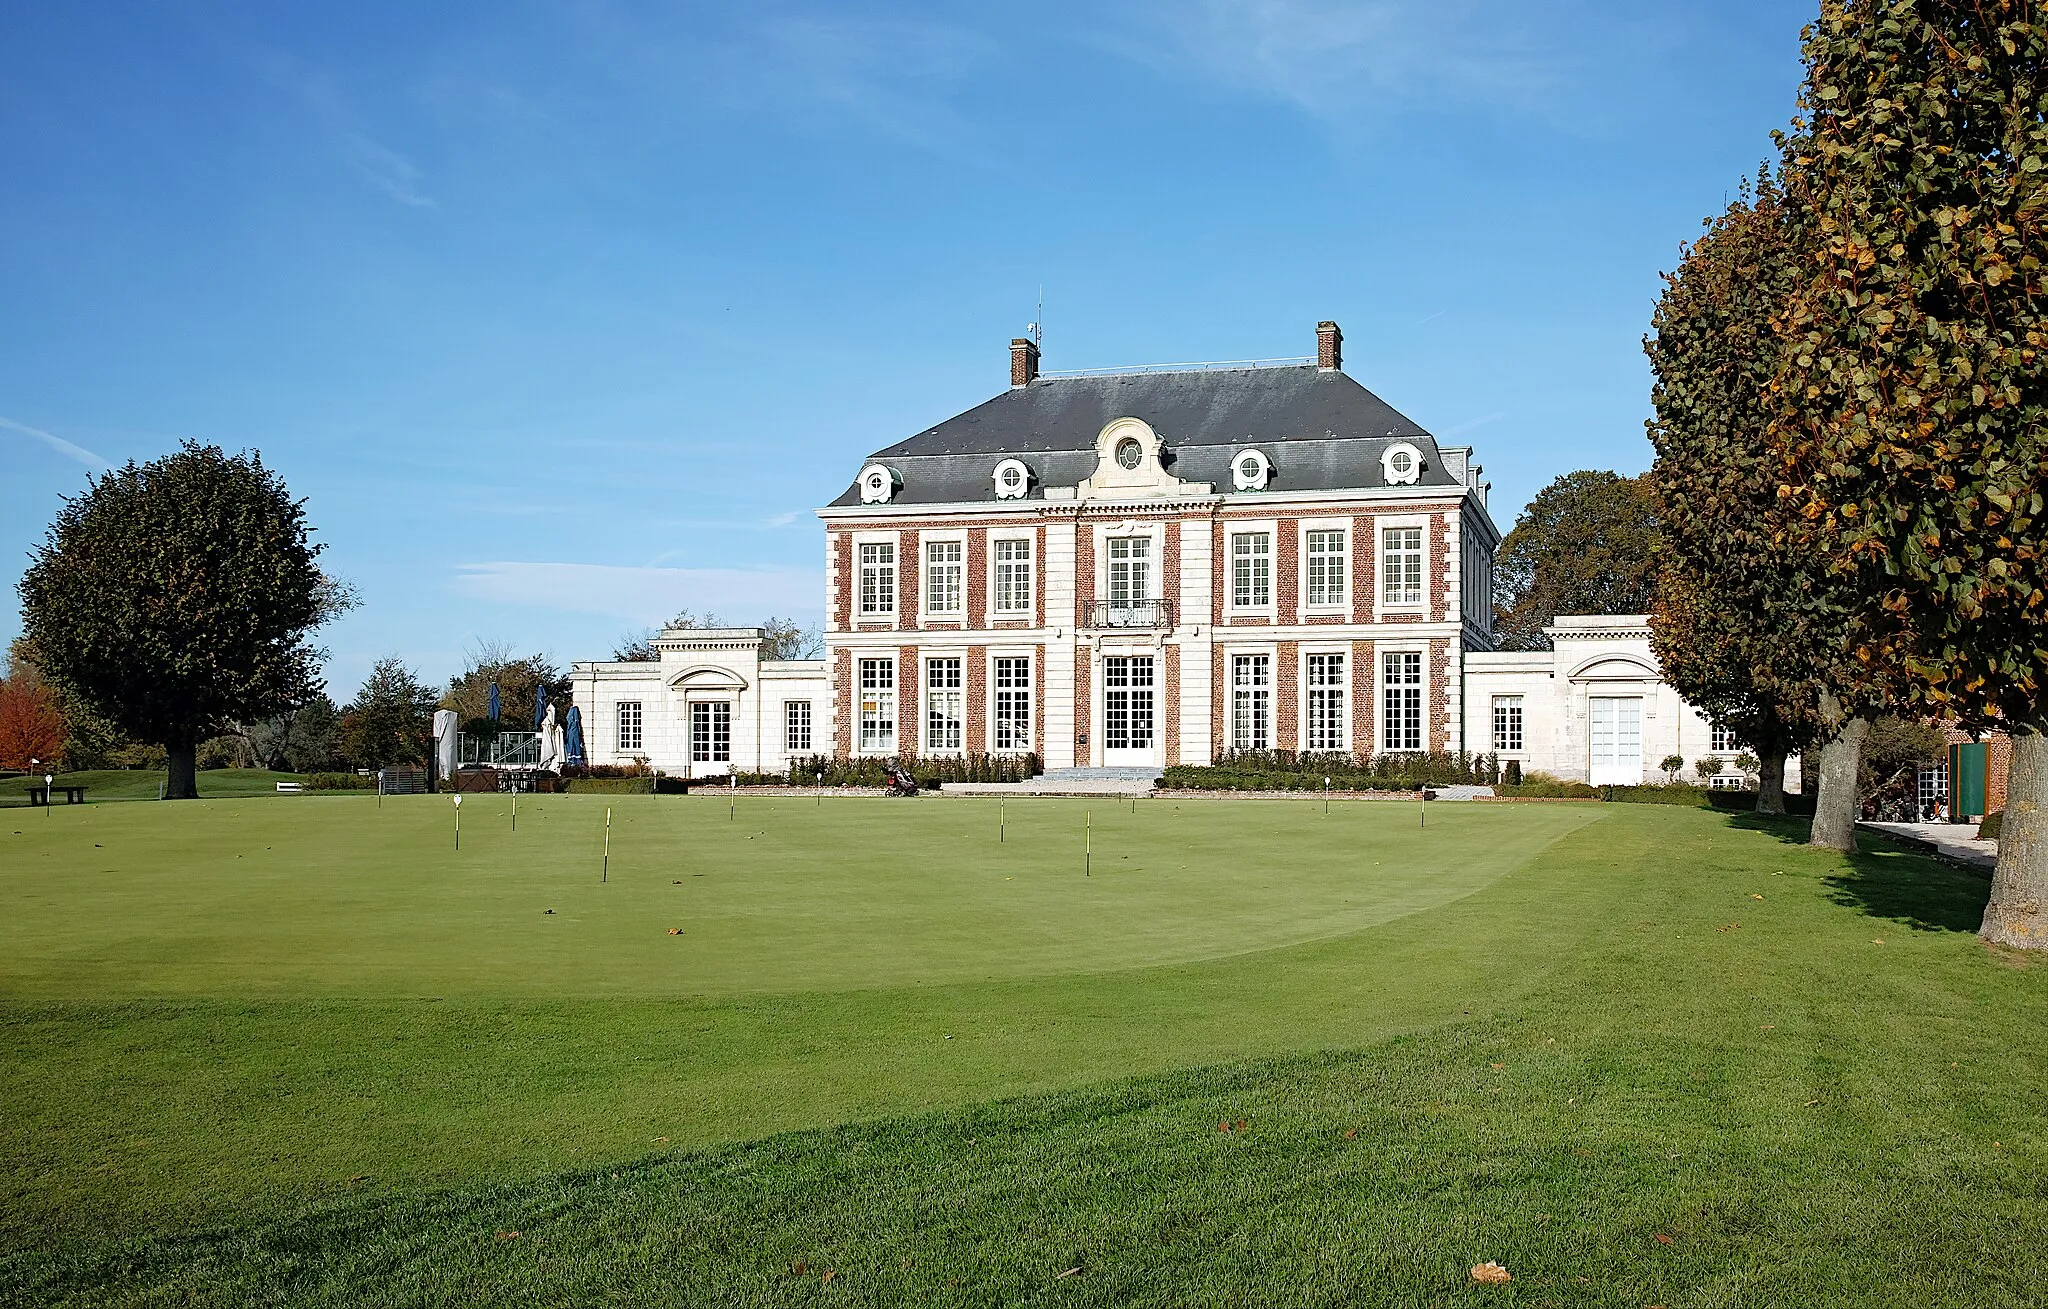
(1890, 881)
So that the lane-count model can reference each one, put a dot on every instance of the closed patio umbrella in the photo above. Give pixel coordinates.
(494, 701)
(572, 726)
(540, 706)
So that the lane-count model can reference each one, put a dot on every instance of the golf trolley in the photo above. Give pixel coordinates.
(900, 780)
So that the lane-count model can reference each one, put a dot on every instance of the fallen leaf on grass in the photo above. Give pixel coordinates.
(830, 1273)
(359, 1177)
(1075, 1271)
(1351, 1135)
(675, 931)
(1663, 1239)
(508, 1236)
(661, 1140)
(799, 1268)
(1491, 1273)
(1754, 896)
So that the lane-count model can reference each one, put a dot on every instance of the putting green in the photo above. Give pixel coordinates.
(340, 896)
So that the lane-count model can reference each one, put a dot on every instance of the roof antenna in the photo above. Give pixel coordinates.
(1036, 328)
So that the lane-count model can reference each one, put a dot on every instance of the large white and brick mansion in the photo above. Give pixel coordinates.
(1157, 567)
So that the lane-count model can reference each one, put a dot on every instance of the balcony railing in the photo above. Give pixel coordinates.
(1131, 615)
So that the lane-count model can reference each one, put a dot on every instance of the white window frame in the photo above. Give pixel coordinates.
(797, 717)
(635, 741)
(1254, 698)
(1027, 566)
(1516, 709)
(1388, 742)
(928, 572)
(1029, 701)
(1340, 602)
(1381, 526)
(1721, 740)
(862, 567)
(887, 700)
(711, 742)
(1232, 530)
(1327, 694)
(949, 737)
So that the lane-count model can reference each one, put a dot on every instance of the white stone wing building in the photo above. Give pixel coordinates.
(1136, 570)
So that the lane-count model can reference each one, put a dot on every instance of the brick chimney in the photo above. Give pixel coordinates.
(1329, 346)
(1023, 361)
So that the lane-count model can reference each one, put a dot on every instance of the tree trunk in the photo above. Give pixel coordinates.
(182, 781)
(1770, 781)
(2019, 889)
(1836, 808)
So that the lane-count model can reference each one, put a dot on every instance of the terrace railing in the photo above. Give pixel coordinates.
(1130, 615)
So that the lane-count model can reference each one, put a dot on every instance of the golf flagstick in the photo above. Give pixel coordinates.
(1087, 844)
(606, 875)
(458, 821)
(1002, 820)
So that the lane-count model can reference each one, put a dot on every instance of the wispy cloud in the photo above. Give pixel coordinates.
(1474, 423)
(377, 164)
(1335, 58)
(643, 595)
(59, 444)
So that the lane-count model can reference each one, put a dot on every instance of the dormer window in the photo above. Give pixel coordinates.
(1401, 464)
(877, 485)
(1250, 470)
(1013, 479)
(1129, 454)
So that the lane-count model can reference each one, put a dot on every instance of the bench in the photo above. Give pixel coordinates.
(40, 795)
(290, 788)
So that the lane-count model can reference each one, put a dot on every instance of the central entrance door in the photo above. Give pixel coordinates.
(710, 738)
(1617, 753)
(1130, 716)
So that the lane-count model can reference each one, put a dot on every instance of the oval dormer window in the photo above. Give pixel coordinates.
(1402, 464)
(1013, 479)
(877, 485)
(1250, 470)
(1129, 454)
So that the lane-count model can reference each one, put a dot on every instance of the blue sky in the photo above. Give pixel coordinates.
(563, 316)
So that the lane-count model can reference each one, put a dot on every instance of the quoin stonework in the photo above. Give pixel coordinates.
(1153, 567)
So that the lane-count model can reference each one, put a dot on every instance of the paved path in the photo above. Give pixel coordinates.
(1957, 841)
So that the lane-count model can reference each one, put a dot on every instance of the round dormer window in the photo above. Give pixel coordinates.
(877, 485)
(1129, 453)
(1013, 479)
(1250, 470)
(1402, 464)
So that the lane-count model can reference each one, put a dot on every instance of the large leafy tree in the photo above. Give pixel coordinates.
(179, 596)
(390, 722)
(1583, 546)
(32, 727)
(1746, 624)
(1915, 399)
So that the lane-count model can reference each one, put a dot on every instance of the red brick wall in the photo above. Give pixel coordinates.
(909, 573)
(1084, 673)
(843, 574)
(845, 705)
(1286, 693)
(1442, 604)
(1038, 691)
(1365, 740)
(1038, 579)
(1169, 569)
(1169, 678)
(909, 693)
(976, 740)
(1365, 577)
(1084, 572)
(1440, 701)
(1287, 571)
(1219, 571)
(1219, 698)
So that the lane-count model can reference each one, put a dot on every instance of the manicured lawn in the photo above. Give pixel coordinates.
(300, 1051)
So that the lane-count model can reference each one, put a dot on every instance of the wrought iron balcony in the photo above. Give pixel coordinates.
(1131, 615)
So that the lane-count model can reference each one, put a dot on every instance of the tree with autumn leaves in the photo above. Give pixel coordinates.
(1912, 404)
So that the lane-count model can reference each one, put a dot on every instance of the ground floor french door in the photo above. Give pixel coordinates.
(1130, 711)
(710, 738)
(1617, 740)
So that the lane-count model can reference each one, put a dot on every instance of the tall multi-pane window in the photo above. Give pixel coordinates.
(1325, 568)
(1326, 702)
(1507, 724)
(1401, 566)
(711, 732)
(877, 577)
(944, 716)
(796, 726)
(1013, 704)
(1724, 741)
(1251, 570)
(942, 569)
(1013, 576)
(1401, 691)
(878, 704)
(1251, 702)
(629, 724)
(1130, 570)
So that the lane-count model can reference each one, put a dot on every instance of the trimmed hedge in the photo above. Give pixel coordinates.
(1288, 770)
(610, 786)
(1547, 788)
(339, 782)
(930, 773)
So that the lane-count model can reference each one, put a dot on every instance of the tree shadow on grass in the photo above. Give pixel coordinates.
(1891, 881)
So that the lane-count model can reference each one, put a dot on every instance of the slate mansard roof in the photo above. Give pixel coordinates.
(1321, 430)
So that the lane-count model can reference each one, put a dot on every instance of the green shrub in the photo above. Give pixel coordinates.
(1540, 785)
(930, 773)
(1988, 829)
(610, 785)
(1678, 793)
(1288, 770)
(339, 782)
